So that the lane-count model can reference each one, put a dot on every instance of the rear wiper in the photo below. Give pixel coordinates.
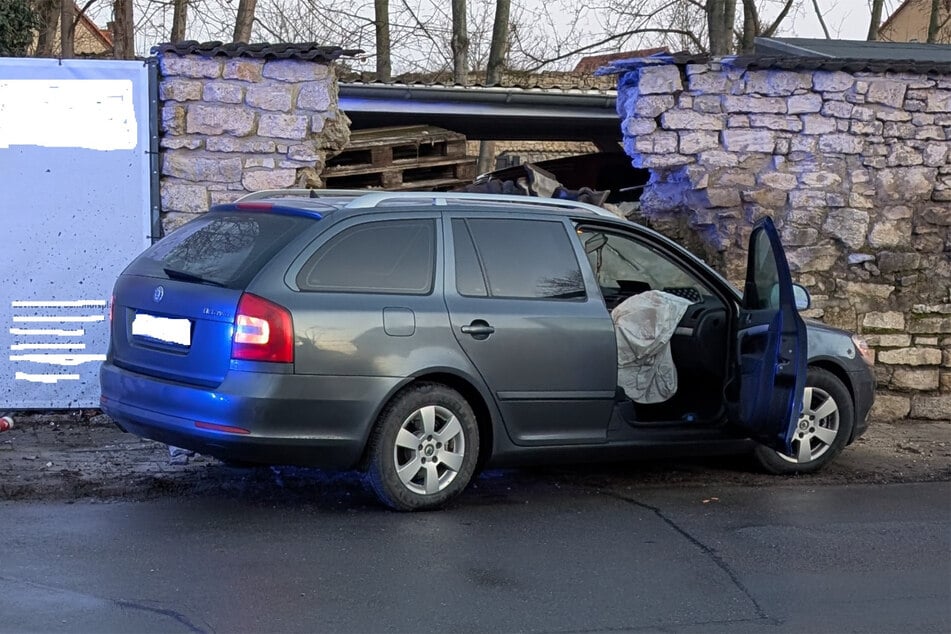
(190, 277)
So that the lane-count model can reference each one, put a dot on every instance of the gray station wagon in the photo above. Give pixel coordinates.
(421, 337)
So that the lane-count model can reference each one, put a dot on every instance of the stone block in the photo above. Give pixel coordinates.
(930, 133)
(173, 119)
(252, 145)
(921, 119)
(649, 106)
(243, 69)
(910, 356)
(776, 83)
(304, 153)
(776, 122)
(172, 65)
(805, 144)
(890, 407)
(709, 104)
(638, 126)
(203, 119)
(935, 154)
(890, 93)
(932, 407)
(847, 225)
(939, 101)
(690, 120)
(926, 341)
(873, 292)
(837, 109)
(803, 198)
(863, 113)
(741, 140)
(893, 262)
(202, 168)
(316, 96)
(820, 179)
(835, 81)
(817, 124)
(257, 180)
(738, 121)
(685, 100)
(259, 161)
(808, 259)
(888, 341)
(177, 89)
(281, 126)
(694, 142)
(172, 220)
(269, 96)
(294, 71)
(884, 113)
(779, 180)
(183, 197)
(723, 196)
(708, 83)
(181, 142)
(930, 325)
(902, 155)
(665, 160)
(744, 103)
(890, 233)
(794, 236)
(718, 159)
(802, 104)
(922, 379)
(766, 197)
(659, 142)
(905, 183)
(888, 320)
(867, 127)
(223, 92)
(893, 129)
(937, 215)
(841, 144)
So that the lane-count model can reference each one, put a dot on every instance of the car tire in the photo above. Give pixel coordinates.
(823, 429)
(424, 448)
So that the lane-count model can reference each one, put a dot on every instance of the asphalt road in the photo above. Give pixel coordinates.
(538, 554)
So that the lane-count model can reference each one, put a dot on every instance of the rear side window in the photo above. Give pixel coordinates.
(391, 256)
(525, 259)
(224, 249)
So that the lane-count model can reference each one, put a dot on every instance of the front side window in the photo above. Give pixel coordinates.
(392, 256)
(626, 267)
(522, 259)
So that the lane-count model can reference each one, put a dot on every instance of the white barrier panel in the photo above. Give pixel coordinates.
(75, 200)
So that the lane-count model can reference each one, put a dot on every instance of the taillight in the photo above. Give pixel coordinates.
(263, 331)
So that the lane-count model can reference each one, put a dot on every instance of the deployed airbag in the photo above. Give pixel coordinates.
(644, 325)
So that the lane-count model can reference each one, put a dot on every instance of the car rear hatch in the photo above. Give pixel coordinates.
(173, 313)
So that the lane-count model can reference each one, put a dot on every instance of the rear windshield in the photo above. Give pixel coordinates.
(223, 249)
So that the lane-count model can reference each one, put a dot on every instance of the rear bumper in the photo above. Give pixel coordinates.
(863, 386)
(319, 421)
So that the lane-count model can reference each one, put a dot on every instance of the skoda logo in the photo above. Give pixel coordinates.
(159, 293)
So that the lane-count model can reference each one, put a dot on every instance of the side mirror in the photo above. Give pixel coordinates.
(801, 297)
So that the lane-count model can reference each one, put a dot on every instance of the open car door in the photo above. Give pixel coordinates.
(771, 345)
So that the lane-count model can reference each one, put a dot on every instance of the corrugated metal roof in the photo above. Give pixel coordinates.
(263, 50)
(786, 62)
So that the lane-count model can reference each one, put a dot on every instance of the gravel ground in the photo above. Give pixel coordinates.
(81, 455)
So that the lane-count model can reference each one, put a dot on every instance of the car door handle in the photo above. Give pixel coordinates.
(479, 329)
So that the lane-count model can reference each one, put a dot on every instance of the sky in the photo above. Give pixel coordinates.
(846, 19)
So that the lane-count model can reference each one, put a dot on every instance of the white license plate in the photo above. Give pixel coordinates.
(177, 331)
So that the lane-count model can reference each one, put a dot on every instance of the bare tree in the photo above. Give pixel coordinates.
(876, 21)
(721, 15)
(179, 20)
(123, 36)
(460, 43)
(66, 15)
(933, 21)
(244, 21)
(381, 12)
(493, 72)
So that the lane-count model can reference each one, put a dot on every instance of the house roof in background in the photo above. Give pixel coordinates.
(306, 51)
(901, 9)
(591, 63)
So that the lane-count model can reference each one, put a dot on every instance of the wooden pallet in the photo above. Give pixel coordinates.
(401, 158)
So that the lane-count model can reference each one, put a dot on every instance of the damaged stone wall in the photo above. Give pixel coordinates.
(230, 126)
(854, 168)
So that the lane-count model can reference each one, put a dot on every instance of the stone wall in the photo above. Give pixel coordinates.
(854, 168)
(230, 126)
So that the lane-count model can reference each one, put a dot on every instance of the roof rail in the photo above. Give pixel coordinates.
(365, 199)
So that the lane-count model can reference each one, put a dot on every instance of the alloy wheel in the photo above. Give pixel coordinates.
(816, 428)
(430, 449)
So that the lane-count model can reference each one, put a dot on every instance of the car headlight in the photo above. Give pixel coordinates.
(867, 354)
